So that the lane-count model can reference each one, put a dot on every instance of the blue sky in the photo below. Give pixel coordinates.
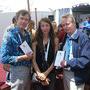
(41, 5)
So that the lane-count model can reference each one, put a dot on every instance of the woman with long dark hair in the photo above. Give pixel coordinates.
(44, 47)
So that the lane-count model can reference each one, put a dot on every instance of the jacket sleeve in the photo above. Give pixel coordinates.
(84, 60)
(7, 49)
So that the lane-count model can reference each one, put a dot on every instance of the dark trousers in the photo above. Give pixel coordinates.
(59, 84)
(87, 87)
(39, 86)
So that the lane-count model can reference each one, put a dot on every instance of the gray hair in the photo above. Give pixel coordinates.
(69, 16)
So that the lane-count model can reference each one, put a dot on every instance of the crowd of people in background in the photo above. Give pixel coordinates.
(84, 25)
(34, 69)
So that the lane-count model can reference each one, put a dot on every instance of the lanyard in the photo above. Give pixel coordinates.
(46, 51)
(19, 37)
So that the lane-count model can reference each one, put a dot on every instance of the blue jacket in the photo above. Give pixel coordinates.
(10, 48)
(80, 64)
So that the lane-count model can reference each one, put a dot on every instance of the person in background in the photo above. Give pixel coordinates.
(61, 33)
(12, 53)
(13, 24)
(86, 27)
(77, 25)
(54, 24)
(81, 25)
(59, 76)
(44, 48)
(76, 63)
(31, 29)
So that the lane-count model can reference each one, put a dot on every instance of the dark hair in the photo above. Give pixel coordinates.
(39, 34)
(59, 27)
(23, 13)
(14, 19)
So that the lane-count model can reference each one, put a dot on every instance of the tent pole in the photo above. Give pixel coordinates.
(36, 16)
(28, 5)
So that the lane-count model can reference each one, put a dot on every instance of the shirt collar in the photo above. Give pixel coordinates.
(17, 29)
(74, 35)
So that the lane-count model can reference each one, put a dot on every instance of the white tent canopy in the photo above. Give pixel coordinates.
(41, 5)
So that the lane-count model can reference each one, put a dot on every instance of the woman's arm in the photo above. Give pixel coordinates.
(35, 66)
(48, 70)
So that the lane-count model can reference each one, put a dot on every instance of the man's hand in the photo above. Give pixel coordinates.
(27, 57)
(63, 63)
(59, 76)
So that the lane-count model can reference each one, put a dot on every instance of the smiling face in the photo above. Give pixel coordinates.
(68, 25)
(22, 21)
